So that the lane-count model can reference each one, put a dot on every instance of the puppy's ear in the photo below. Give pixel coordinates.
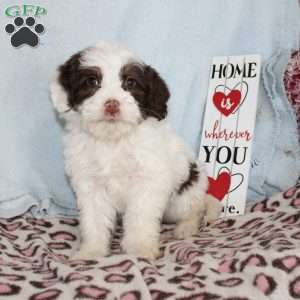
(61, 87)
(158, 94)
(58, 94)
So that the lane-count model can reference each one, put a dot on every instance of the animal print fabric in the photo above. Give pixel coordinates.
(255, 256)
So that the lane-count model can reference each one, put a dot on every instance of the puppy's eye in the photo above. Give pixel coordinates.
(131, 83)
(92, 82)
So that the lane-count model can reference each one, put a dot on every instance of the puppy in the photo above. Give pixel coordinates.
(122, 157)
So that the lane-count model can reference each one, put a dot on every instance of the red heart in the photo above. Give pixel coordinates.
(219, 187)
(226, 104)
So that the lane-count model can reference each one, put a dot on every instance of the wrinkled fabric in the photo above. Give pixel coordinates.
(255, 256)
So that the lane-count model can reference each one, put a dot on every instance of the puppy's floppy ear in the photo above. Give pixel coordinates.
(157, 94)
(61, 87)
(58, 94)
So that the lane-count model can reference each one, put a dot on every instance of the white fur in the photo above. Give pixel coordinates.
(131, 166)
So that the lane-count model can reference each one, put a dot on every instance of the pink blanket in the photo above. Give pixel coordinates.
(255, 256)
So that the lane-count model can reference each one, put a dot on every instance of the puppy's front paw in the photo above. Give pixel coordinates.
(141, 248)
(86, 253)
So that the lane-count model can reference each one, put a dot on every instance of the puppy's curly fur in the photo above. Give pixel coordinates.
(121, 155)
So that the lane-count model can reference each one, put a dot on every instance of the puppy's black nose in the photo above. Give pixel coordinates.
(112, 107)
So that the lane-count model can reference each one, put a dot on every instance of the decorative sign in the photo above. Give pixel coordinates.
(228, 129)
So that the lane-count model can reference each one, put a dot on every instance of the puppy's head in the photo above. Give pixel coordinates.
(107, 86)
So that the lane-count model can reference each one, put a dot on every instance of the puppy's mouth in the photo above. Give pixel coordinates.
(109, 117)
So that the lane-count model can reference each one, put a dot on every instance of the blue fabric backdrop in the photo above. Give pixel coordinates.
(179, 38)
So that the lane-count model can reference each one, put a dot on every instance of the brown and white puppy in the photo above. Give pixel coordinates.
(121, 155)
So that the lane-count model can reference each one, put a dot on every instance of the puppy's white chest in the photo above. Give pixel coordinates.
(118, 170)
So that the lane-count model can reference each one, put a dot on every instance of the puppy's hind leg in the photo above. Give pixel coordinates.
(187, 207)
(213, 208)
(190, 208)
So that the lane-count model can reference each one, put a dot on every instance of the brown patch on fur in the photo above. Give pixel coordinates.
(147, 88)
(76, 80)
(193, 177)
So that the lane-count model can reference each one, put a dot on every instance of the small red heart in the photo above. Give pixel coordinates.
(219, 187)
(226, 104)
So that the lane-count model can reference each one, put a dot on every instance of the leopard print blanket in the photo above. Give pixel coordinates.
(255, 256)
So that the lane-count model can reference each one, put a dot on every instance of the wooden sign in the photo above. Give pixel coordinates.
(228, 129)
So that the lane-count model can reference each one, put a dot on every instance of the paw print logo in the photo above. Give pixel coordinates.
(24, 32)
